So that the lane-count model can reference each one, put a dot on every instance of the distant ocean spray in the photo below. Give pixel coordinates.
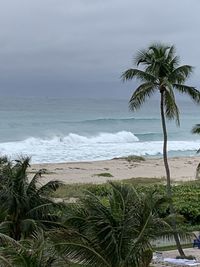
(59, 130)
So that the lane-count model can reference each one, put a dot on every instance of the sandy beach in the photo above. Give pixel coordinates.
(182, 169)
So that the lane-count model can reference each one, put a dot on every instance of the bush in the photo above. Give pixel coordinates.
(133, 158)
(100, 190)
(104, 174)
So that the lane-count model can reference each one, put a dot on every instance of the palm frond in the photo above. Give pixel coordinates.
(138, 74)
(196, 129)
(49, 187)
(143, 92)
(189, 90)
(159, 50)
(5, 262)
(171, 53)
(28, 226)
(81, 254)
(7, 240)
(171, 109)
(141, 57)
(33, 183)
(41, 210)
(181, 74)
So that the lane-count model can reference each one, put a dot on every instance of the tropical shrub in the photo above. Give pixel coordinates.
(36, 251)
(112, 233)
(25, 203)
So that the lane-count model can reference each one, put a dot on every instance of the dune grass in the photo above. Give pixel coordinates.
(132, 158)
(77, 190)
(103, 174)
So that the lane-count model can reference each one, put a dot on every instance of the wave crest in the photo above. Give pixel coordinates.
(74, 147)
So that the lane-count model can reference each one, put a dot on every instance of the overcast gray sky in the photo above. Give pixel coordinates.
(80, 47)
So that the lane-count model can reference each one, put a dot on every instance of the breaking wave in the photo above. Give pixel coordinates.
(74, 147)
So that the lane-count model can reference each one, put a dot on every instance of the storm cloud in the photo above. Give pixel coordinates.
(79, 48)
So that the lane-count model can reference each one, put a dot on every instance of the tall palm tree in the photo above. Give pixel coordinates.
(25, 204)
(113, 232)
(161, 73)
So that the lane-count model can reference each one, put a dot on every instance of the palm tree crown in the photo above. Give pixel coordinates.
(161, 71)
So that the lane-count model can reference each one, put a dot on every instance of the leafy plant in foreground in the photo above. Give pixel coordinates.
(25, 203)
(113, 233)
(36, 251)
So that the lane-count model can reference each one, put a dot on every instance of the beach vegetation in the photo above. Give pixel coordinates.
(116, 232)
(104, 174)
(67, 191)
(110, 224)
(161, 73)
(131, 158)
(134, 158)
(186, 196)
(36, 251)
(25, 203)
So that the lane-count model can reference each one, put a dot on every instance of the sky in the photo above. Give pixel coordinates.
(79, 48)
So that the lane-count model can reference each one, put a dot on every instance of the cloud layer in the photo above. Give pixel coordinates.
(80, 47)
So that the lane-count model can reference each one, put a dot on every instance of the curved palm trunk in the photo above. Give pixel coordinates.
(169, 191)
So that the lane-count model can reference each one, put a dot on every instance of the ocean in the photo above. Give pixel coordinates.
(62, 129)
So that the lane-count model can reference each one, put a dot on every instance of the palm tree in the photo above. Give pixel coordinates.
(36, 251)
(161, 73)
(25, 204)
(113, 232)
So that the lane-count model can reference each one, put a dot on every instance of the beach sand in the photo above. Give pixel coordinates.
(182, 169)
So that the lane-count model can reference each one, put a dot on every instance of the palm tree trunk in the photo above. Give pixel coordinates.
(165, 159)
(16, 232)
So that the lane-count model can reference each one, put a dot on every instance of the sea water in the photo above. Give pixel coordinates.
(62, 129)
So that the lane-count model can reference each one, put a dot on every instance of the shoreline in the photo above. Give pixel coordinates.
(182, 169)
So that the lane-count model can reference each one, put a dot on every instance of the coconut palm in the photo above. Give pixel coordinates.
(161, 73)
(113, 232)
(25, 204)
(36, 251)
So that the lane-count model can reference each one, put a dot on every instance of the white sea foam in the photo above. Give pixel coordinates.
(74, 147)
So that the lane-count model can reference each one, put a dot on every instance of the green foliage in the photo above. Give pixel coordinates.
(196, 129)
(147, 258)
(186, 196)
(160, 72)
(37, 251)
(134, 158)
(25, 205)
(67, 191)
(186, 201)
(104, 174)
(116, 232)
(142, 181)
(101, 190)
